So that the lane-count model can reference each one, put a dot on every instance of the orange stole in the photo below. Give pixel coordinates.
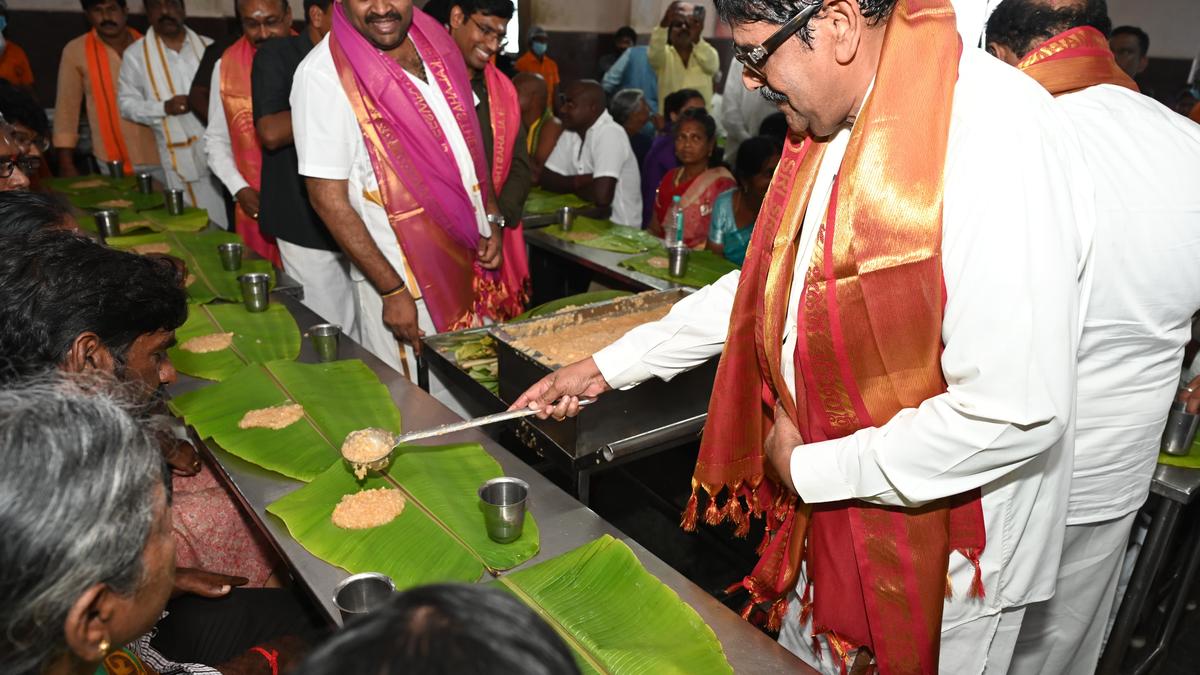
(236, 97)
(869, 343)
(104, 93)
(1074, 60)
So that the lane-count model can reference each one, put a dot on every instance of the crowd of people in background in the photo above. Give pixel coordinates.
(271, 133)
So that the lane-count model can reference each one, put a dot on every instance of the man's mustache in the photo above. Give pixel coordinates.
(108, 24)
(771, 95)
(167, 19)
(390, 16)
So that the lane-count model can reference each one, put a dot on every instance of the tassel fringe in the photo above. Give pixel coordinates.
(977, 589)
(688, 522)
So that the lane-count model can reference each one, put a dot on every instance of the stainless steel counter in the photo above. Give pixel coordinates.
(606, 263)
(564, 523)
(1176, 483)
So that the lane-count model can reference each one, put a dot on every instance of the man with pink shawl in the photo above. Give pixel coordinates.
(391, 150)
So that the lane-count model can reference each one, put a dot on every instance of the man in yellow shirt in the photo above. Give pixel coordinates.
(679, 57)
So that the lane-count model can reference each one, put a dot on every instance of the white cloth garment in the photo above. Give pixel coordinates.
(742, 111)
(1064, 635)
(603, 152)
(1012, 269)
(330, 145)
(151, 74)
(218, 144)
(1145, 286)
(325, 276)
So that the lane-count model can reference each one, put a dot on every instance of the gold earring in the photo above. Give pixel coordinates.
(104, 647)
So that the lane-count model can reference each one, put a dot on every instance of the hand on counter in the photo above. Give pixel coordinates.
(205, 584)
(557, 395)
(400, 316)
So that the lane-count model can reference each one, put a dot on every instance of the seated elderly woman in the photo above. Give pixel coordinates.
(88, 556)
(629, 108)
(694, 181)
(445, 628)
(71, 305)
(735, 211)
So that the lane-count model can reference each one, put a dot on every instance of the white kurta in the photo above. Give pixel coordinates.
(603, 152)
(1145, 286)
(184, 157)
(218, 144)
(742, 111)
(1015, 237)
(329, 144)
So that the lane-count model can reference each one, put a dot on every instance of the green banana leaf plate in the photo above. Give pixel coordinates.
(616, 616)
(81, 184)
(258, 337)
(199, 251)
(440, 536)
(704, 267)
(571, 301)
(191, 220)
(540, 202)
(94, 200)
(338, 398)
(606, 236)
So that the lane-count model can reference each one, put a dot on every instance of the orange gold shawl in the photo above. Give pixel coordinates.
(1074, 60)
(869, 345)
(104, 93)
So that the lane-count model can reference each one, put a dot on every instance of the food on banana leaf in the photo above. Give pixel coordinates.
(204, 344)
(364, 446)
(276, 417)
(368, 508)
(135, 225)
(88, 184)
(658, 262)
(191, 279)
(580, 236)
(157, 247)
(115, 204)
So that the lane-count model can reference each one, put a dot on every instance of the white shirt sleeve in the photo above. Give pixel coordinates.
(217, 142)
(693, 332)
(732, 101)
(610, 152)
(323, 123)
(1011, 250)
(135, 101)
(560, 160)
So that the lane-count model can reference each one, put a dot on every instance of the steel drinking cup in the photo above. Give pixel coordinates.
(231, 256)
(256, 288)
(108, 223)
(503, 503)
(566, 218)
(1180, 431)
(325, 337)
(116, 168)
(677, 260)
(145, 183)
(362, 594)
(174, 201)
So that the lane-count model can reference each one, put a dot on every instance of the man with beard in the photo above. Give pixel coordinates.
(152, 90)
(306, 248)
(593, 158)
(395, 167)
(898, 373)
(234, 153)
(478, 28)
(88, 73)
(1145, 288)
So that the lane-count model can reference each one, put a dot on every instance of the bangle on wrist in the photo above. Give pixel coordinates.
(272, 657)
(395, 291)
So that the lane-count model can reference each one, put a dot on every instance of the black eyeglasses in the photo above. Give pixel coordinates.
(28, 165)
(755, 58)
(492, 34)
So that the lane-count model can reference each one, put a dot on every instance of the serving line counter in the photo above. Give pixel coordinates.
(564, 523)
(605, 263)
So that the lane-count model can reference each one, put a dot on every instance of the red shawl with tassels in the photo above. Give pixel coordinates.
(505, 108)
(869, 345)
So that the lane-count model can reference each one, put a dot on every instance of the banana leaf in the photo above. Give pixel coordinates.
(191, 220)
(541, 201)
(440, 535)
(616, 616)
(571, 301)
(257, 338)
(80, 184)
(101, 198)
(606, 236)
(338, 398)
(704, 267)
(199, 251)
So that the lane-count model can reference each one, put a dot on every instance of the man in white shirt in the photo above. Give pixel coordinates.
(156, 72)
(593, 157)
(234, 152)
(1145, 287)
(1013, 237)
(412, 273)
(742, 111)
